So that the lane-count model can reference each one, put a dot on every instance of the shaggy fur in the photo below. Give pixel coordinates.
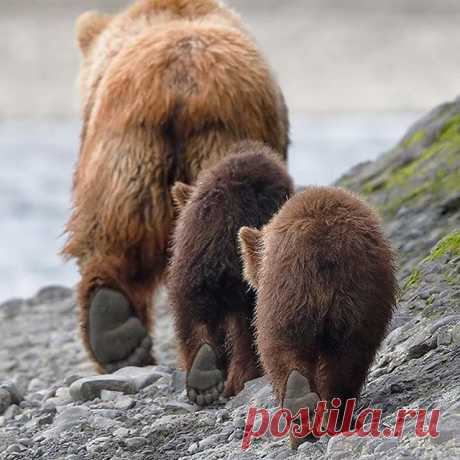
(210, 299)
(325, 282)
(167, 86)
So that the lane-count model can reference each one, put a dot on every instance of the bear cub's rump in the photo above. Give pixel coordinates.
(324, 275)
(213, 305)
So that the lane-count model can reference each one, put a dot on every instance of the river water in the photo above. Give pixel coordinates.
(37, 160)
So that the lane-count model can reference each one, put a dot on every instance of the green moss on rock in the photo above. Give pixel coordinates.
(449, 244)
(434, 173)
(414, 279)
(415, 138)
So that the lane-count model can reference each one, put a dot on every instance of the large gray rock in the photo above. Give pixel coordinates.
(128, 380)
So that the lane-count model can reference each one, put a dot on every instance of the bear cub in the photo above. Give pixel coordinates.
(213, 305)
(325, 280)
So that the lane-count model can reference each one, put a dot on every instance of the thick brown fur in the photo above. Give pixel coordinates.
(166, 86)
(324, 275)
(210, 299)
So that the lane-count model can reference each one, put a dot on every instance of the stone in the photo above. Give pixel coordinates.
(128, 380)
(386, 445)
(141, 376)
(16, 395)
(5, 400)
(121, 432)
(420, 349)
(124, 403)
(103, 423)
(36, 385)
(193, 448)
(71, 416)
(136, 443)
(11, 412)
(179, 406)
(89, 388)
(63, 394)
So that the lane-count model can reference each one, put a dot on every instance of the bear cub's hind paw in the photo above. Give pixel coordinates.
(205, 382)
(117, 337)
(299, 396)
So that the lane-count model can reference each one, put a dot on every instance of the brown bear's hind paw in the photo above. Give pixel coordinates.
(298, 395)
(117, 337)
(205, 382)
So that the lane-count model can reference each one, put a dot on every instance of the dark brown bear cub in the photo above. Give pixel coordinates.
(325, 282)
(213, 305)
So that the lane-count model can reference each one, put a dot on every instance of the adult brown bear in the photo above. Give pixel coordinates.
(325, 280)
(167, 86)
(213, 305)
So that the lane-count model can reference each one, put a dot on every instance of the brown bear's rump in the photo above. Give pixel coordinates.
(198, 75)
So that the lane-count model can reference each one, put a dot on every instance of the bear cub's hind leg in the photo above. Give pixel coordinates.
(299, 395)
(243, 365)
(205, 381)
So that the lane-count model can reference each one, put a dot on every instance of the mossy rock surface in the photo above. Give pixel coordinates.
(416, 185)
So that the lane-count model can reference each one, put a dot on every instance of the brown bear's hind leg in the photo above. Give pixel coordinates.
(115, 309)
(117, 337)
(243, 365)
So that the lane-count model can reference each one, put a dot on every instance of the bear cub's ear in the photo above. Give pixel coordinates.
(89, 26)
(250, 240)
(181, 193)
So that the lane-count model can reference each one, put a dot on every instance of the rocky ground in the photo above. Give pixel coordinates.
(52, 406)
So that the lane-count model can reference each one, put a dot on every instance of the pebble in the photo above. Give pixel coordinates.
(103, 423)
(124, 403)
(16, 395)
(63, 394)
(107, 395)
(98, 444)
(181, 406)
(36, 385)
(135, 443)
(210, 441)
(121, 432)
(26, 442)
(14, 448)
(443, 338)
(386, 445)
(12, 412)
(5, 400)
(420, 349)
(72, 415)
